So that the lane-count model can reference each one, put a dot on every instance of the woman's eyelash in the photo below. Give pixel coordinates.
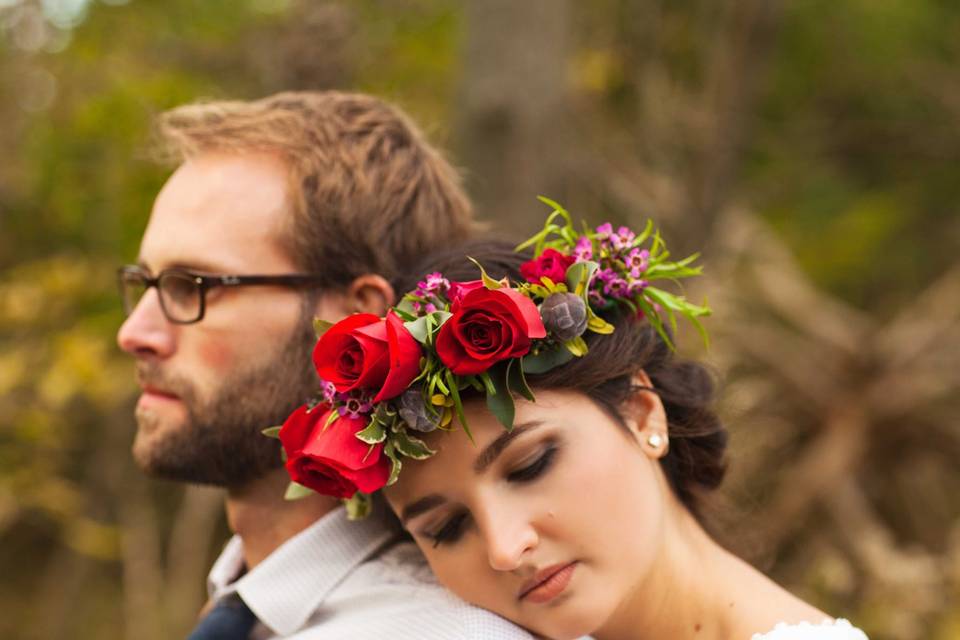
(451, 530)
(536, 468)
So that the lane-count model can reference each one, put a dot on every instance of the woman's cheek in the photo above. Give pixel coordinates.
(464, 571)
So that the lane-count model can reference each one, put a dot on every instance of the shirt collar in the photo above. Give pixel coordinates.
(288, 586)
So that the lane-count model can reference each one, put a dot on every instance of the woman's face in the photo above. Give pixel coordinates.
(553, 525)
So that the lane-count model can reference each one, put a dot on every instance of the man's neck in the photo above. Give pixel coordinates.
(259, 514)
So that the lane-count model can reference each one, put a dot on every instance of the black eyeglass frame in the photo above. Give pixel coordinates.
(205, 282)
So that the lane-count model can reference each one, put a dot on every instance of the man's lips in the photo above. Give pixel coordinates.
(547, 583)
(159, 393)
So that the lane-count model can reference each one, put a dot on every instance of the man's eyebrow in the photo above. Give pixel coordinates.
(420, 506)
(495, 448)
(198, 266)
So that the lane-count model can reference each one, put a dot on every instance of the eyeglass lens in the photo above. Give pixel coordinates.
(179, 294)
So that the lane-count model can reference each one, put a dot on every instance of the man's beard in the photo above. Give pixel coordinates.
(221, 441)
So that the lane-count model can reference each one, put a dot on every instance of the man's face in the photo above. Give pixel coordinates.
(210, 387)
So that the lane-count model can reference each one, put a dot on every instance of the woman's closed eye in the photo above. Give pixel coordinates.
(535, 469)
(450, 530)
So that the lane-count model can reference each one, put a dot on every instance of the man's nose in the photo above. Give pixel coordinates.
(146, 331)
(509, 535)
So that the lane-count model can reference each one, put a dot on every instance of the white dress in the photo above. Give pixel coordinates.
(838, 629)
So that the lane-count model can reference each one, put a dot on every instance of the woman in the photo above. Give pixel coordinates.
(581, 518)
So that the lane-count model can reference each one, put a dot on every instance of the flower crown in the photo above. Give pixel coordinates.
(384, 380)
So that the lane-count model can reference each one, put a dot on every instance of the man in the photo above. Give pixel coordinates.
(296, 206)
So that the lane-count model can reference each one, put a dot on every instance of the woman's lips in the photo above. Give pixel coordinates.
(548, 583)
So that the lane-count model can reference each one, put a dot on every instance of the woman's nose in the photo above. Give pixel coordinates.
(508, 536)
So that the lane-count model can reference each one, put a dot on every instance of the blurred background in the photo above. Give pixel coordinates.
(811, 149)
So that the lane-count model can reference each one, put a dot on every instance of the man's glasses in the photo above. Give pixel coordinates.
(183, 293)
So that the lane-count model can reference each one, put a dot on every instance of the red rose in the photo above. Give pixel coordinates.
(460, 289)
(332, 461)
(551, 264)
(366, 352)
(488, 325)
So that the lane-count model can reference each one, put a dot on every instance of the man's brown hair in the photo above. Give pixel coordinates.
(368, 192)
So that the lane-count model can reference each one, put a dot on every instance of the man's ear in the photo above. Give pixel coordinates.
(645, 417)
(369, 293)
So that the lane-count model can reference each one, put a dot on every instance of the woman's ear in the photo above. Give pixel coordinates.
(369, 293)
(645, 417)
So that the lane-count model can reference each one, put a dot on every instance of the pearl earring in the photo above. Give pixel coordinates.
(655, 440)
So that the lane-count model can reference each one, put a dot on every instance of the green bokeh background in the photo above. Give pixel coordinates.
(832, 127)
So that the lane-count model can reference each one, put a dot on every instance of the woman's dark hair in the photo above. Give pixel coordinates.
(695, 462)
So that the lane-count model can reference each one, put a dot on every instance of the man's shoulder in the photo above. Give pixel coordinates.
(394, 594)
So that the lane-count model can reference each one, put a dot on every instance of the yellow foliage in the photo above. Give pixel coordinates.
(13, 366)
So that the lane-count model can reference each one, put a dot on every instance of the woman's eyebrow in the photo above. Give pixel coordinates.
(422, 505)
(495, 448)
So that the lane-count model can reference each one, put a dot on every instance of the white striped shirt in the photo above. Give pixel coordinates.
(342, 580)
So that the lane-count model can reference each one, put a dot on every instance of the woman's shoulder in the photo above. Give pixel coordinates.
(838, 629)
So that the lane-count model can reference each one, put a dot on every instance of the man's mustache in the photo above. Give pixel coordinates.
(152, 376)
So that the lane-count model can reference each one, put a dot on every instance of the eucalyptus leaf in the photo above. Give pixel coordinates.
(405, 309)
(296, 491)
(419, 329)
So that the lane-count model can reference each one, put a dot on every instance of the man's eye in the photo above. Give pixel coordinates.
(536, 468)
(450, 532)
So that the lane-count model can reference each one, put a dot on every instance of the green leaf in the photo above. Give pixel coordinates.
(501, 402)
(545, 360)
(296, 491)
(320, 326)
(551, 203)
(487, 382)
(419, 329)
(411, 447)
(404, 309)
(358, 506)
(334, 415)
(654, 319)
(578, 277)
(374, 433)
(272, 432)
(647, 230)
(390, 451)
(458, 404)
(488, 282)
(577, 346)
(599, 325)
(438, 379)
(516, 381)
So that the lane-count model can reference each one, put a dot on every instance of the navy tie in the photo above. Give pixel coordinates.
(230, 619)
